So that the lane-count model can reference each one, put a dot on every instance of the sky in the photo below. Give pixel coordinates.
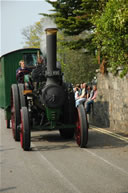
(15, 15)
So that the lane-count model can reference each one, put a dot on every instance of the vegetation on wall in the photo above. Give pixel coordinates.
(111, 34)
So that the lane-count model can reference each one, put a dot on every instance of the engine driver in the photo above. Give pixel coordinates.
(21, 71)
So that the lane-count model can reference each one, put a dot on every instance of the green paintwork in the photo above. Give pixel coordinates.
(49, 126)
(8, 65)
(53, 116)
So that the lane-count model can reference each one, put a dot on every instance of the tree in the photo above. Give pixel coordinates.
(107, 22)
(73, 17)
(32, 35)
(111, 35)
(76, 27)
(66, 16)
(78, 66)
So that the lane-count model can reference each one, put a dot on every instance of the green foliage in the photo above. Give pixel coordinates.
(78, 66)
(111, 34)
(67, 18)
(72, 20)
(87, 26)
(32, 35)
(76, 27)
(107, 20)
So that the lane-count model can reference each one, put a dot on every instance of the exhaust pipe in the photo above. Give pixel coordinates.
(51, 50)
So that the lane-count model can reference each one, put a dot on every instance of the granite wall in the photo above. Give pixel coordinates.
(110, 109)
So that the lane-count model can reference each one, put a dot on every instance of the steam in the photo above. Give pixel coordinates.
(46, 23)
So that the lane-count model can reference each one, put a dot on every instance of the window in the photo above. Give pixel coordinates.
(30, 59)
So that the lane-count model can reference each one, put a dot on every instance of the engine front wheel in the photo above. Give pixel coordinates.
(25, 134)
(81, 131)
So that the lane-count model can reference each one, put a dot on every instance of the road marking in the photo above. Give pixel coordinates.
(73, 188)
(110, 133)
(106, 161)
(113, 135)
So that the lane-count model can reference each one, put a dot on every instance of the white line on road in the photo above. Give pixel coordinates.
(55, 170)
(106, 161)
(113, 135)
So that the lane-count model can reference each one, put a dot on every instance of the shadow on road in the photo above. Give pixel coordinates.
(53, 141)
(99, 140)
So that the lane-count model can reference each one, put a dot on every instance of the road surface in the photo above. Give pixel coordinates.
(55, 165)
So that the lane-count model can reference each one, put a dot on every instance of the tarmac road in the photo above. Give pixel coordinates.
(55, 165)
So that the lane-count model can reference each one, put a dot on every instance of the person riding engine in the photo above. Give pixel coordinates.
(21, 71)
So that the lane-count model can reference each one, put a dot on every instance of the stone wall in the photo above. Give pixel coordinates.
(110, 109)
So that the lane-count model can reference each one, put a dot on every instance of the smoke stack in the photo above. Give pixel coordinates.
(51, 49)
(53, 95)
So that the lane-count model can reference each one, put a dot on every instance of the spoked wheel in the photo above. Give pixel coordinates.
(25, 136)
(67, 133)
(81, 132)
(22, 97)
(15, 112)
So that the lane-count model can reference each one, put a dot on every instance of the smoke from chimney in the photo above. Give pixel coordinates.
(47, 23)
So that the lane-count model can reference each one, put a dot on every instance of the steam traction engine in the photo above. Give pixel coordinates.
(47, 101)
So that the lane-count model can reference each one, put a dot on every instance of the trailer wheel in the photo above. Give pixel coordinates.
(25, 135)
(67, 133)
(81, 131)
(22, 97)
(15, 112)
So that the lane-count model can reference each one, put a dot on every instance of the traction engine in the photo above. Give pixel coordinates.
(45, 101)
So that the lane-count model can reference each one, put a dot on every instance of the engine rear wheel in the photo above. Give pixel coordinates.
(81, 131)
(15, 112)
(25, 134)
(67, 133)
